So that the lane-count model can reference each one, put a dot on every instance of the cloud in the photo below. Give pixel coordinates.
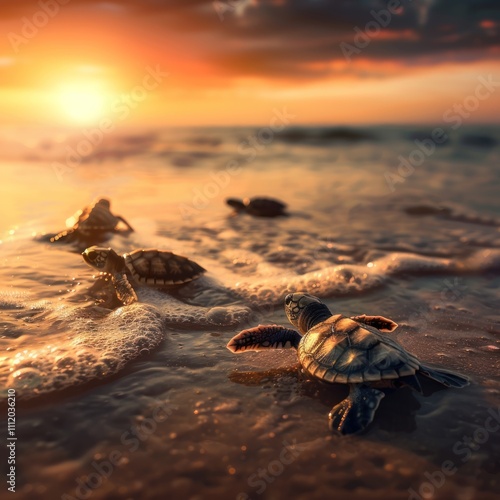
(280, 38)
(296, 38)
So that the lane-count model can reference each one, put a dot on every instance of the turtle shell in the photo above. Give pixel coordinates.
(161, 268)
(95, 218)
(344, 351)
(265, 207)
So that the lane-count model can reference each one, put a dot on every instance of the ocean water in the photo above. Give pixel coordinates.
(145, 401)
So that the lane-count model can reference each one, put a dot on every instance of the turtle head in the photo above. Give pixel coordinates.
(104, 202)
(102, 259)
(305, 311)
(236, 204)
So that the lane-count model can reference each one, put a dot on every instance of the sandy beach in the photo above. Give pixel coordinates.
(144, 396)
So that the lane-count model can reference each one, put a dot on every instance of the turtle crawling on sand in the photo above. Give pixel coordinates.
(91, 224)
(259, 206)
(337, 349)
(152, 267)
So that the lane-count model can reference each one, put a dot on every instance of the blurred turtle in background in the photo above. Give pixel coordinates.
(91, 225)
(258, 206)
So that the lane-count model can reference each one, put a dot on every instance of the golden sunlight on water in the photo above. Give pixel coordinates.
(157, 375)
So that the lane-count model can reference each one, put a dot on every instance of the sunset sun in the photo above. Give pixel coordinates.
(83, 103)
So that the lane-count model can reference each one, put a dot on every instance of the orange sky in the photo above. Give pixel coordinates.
(89, 61)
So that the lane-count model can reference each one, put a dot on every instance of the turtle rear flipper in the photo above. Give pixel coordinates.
(445, 377)
(124, 290)
(45, 238)
(355, 412)
(66, 236)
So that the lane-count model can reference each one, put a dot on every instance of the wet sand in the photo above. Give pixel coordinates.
(146, 401)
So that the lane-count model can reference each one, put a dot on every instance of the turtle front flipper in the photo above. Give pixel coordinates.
(264, 337)
(124, 290)
(355, 412)
(379, 322)
(120, 218)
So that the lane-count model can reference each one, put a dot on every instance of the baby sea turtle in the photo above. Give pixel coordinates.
(353, 351)
(153, 267)
(260, 207)
(91, 224)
